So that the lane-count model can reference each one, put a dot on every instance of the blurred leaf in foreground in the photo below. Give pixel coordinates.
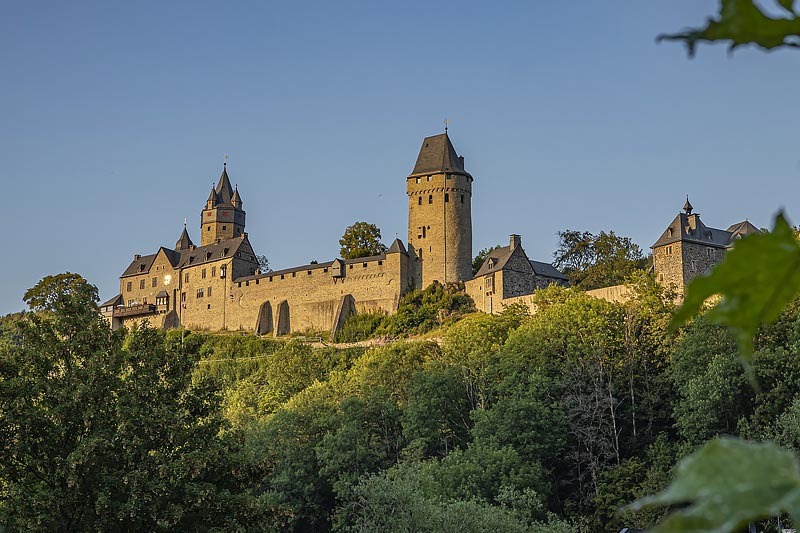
(728, 483)
(741, 22)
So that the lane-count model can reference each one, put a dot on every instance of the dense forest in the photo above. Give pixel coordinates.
(464, 422)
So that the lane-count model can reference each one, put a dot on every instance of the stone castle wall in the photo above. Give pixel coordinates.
(295, 300)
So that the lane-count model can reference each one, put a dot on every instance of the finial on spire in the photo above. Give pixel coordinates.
(446, 124)
(184, 222)
(225, 161)
(688, 206)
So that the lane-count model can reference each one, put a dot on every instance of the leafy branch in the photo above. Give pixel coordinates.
(741, 22)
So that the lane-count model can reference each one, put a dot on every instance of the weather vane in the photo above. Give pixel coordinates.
(446, 123)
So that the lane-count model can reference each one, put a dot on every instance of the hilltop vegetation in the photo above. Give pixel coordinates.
(549, 422)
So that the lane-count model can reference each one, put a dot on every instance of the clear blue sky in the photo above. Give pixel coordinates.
(116, 117)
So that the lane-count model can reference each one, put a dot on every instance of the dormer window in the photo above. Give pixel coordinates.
(669, 232)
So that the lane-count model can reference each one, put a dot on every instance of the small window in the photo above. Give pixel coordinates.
(668, 250)
(191, 260)
(203, 274)
(130, 286)
(661, 277)
(186, 278)
(423, 232)
(209, 227)
(213, 272)
(363, 265)
(208, 256)
(240, 284)
(308, 272)
(325, 270)
(144, 300)
(209, 292)
(282, 276)
(462, 198)
(419, 200)
(209, 306)
(155, 282)
(693, 267)
(183, 296)
(246, 283)
(351, 267)
(200, 293)
(270, 278)
(224, 228)
(417, 180)
(141, 284)
(256, 281)
(429, 178)
(294, 274)
(446, 197)
(380, 263)
(430, 198)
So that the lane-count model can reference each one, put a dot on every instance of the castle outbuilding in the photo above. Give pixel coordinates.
(688, 248)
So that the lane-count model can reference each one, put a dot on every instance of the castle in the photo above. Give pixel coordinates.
(217, 285)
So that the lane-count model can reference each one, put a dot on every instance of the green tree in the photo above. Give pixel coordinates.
(594, 261)
(362, 239)
(100, 435)
(741, 22)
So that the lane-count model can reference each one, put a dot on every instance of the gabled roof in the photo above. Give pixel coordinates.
(396, 247)
(189, 256)
(211, 252)
(140, 265)
(495, 261)
(689, 228)
(437, 155)
(113, 302)
(547, 270)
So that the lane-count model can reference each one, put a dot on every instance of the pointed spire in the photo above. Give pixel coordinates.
(224, 189)
(687, 206)
(184, 242)
(236, 200)
(212, 198)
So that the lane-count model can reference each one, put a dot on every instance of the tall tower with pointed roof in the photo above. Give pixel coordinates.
(440, 214)
(223, 217)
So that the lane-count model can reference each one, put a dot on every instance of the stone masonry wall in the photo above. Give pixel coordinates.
(312, 296)
(440, 226)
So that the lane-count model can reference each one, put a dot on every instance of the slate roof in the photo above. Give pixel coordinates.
(327, 264)
(224, 190)
(115, 301)
(438, 155)
(547, 270)
(186, 257)
(397, 246)
(499, 256)
(184, 242)
(680, 230)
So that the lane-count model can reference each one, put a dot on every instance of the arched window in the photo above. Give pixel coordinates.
(430, 198)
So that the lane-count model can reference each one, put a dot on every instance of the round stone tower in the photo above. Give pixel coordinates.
(440, 214)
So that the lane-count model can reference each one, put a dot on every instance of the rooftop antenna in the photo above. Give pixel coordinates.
(446, 124)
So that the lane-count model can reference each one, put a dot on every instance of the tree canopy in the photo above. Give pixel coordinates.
(593, 261)
(361, 239)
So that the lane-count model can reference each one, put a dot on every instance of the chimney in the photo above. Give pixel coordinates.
(515, 242)
(461, 161)
(136, 257)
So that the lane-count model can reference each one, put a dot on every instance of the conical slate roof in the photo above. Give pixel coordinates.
(184, 242)
(224, 189)
(437, 155)
(687, 207)
(396, 247)
(236, 200)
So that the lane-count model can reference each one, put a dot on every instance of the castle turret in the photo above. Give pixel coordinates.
(184, 242)
(223, 218)
(440, 213)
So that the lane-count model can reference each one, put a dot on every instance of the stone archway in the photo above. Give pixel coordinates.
(264, 320)
(283, 325)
